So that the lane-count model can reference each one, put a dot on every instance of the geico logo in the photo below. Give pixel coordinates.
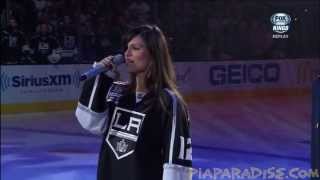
(51, 80)
(244, 73)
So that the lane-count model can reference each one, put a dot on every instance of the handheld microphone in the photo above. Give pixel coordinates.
(99, 68)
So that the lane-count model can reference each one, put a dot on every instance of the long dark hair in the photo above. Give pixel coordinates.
(160, 73)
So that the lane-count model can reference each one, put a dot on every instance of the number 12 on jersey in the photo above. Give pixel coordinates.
(185, 149)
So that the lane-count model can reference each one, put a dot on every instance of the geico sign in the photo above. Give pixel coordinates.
(244, 73)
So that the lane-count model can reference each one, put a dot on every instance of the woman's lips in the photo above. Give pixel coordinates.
(129, 61)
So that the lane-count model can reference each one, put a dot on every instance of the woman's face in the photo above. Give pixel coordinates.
(137, 55)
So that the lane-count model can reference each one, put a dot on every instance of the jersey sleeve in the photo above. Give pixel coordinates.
(177, 143)
(92, 111)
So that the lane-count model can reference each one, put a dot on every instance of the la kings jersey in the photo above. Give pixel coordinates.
(140, 140)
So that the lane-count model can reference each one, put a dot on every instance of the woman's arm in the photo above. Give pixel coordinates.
(177, 143)
(92, 111)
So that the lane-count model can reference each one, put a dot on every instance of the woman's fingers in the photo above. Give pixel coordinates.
(107, 61)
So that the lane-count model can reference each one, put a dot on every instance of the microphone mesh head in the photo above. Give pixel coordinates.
(118, 59)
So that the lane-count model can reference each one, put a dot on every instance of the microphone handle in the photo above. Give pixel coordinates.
(99, 68)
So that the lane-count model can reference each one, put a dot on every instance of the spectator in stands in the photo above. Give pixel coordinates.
(88, 42)
(12, 41)
(41, 4)
(104, 43)
(260, 40)
(25, 13)
(138, 13)
(68, 40)
(43, 45)
(119, 27)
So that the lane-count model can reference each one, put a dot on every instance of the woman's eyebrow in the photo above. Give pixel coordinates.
(136, 44)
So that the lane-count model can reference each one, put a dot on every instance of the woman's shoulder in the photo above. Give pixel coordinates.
(168, 93)
(175, 100)
(171, 96)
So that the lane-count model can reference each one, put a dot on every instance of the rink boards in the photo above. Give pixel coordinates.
(41, 88)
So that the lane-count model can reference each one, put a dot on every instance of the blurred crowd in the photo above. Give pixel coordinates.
(83, 31)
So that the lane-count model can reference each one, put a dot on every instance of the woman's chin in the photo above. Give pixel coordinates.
(131, 70)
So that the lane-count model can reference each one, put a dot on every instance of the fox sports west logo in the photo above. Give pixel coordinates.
(280, 22)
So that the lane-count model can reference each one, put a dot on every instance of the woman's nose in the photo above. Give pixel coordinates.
(127, 53)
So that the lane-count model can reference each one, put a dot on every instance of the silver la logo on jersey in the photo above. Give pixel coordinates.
(281, 22)
(124, 131)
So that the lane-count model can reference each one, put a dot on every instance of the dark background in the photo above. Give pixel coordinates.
(204, 30)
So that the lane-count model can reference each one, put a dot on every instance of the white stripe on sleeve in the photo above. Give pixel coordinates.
(93, 90)
(174, 121)
(94, 122)
(176, 172)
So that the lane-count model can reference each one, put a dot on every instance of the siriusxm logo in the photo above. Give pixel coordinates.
(280, 22)
(19, 81)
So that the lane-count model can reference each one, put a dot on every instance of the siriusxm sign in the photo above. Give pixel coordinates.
(50, 80)
(244, 73)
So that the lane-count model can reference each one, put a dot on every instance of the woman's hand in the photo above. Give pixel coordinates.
(107, 62)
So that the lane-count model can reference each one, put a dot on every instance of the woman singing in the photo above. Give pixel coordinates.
(144, 122)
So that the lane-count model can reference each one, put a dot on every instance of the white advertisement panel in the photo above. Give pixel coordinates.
(40, 83)
(45, 83)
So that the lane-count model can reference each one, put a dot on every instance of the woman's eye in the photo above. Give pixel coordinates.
(135, 48)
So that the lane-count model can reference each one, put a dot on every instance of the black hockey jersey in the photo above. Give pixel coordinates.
(11, 43)
(43, 46)
(141, 141)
